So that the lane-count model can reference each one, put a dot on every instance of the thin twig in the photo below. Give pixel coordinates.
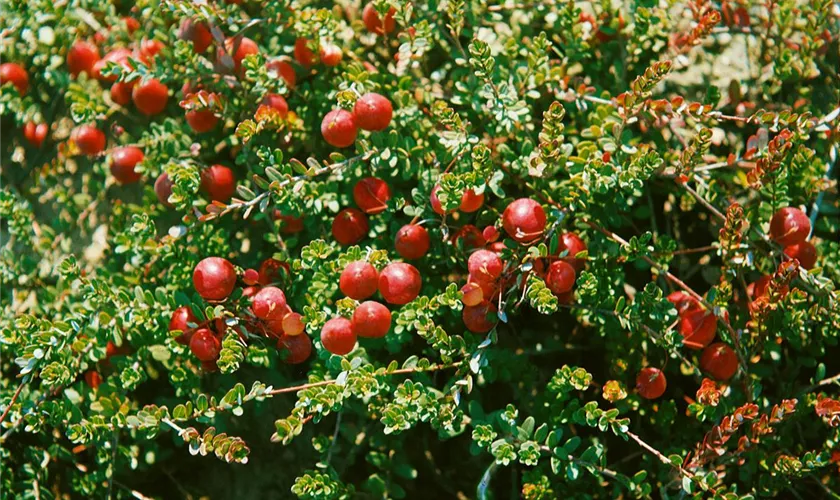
(12, 402)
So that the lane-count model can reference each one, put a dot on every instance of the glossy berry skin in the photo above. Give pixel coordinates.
(123, 161)
(121, 92)
(468, 238)
(804, 252)
(477, 318)
(651, 383)
(150, 97)
(698, 328)
(205, 346)
(330, 54)
(560, 277)
(201, 120)
(179, 321)
(719, 361)
(490, 234)
(375, 24)
(16, 75)
(472, 294)
(371, 320)
(277, 102)
(35, 134)
(470, 201)
(81, 57)
(358, 280)
(572, 243)
(293, 324)
(163, 189)
(243, 48)
(93, 379)
(219, 183)
(89, 139)
(789, 226)
(485, 265)
(350, 226)
(683, 302)
(298, 347)
(524, 220)
(338, 337)
(412, 241)
(284, 70)
(214, 278)
(371, 195)
(250, 277)
(269, 303)
(435, 201)
(339, 128)
(303, 54)
(400, 283)
(271, 271)
(373, 112)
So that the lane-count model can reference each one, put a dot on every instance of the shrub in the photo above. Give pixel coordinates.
(622, 227)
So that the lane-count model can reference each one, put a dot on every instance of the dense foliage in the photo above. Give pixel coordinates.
(447, 249)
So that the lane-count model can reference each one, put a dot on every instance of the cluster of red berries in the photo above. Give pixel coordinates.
(371, 112)
(790, 228)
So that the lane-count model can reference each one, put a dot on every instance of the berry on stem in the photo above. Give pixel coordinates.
(179, 321)
(35, 134)
(15, 74)
(350, 226)
(412, 241)
(293, 324)
(472, 294)
(371, 320)
(571, 243)
(150, 97)
(284, 70)
(271, 271)
(477, 318)
(269, 303)
(298, 347)
(804, 252)
(338, 337)
(214, 278)
(277, 102)
(789, 226)
(485, 265)
(205, 346)
(163, 189)
(560, 278)
(330, 54)
(218, 182)
(719, 361)
(470, 201)
(698, 328)
(201, 120)
(400, 283)
(89, 139)
(123, 161)
(339, 128)
(375, 24)
(239, 49)
(81, 57)
(373, 112)
(651, 383)
(371, 194)
(303, 54)
(358, 280)
(524, 220)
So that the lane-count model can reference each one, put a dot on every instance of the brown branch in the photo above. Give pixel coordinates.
(12, 402)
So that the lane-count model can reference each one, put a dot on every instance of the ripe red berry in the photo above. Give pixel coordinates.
(524, 220)
(412, 241)
(150, 97)
(303, 54)
(761, 287)
(205, 346)
(214, 278)
(719, 361)
(789, 226)
(16, 75)
(371, 195)
(89, 139)
(400, 283)
(698, 328)
(470, 201)
(490, 234)
(179, 321)
(560, 278)
(218, 182)
(35, 134)
(338, 337)
(118, 56)
(804, 252)
(121, 92)
(477, 318)
(485, 265)
(198, 33)
(358, 280)
(298, 347)
(651, 383)
(131, 24)
(149, 49)
(239, 48)
(163, 189)
(123, 161)
(472, 294)
(201, 120)
(371, 320)
(350, 226)
(571, 243)
(277, 102)
(373, 112)
(293, 324)
(284, 70)
(468, 238)
(81, 57)
(271, 271)
(93, 379)
(250, 277)
(435, 201)
(375, 24)
(683, 302)
(339, 128)
(269, 303)
(289, 224)
(330, 54)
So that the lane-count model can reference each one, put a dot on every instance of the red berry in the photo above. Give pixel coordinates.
(16, 75)
(651, 383)
(524, 220)
(269, 303)
(400, 283)
(412, 241)
(477, 318)
(358, 280)
(201, 120)
(490, 234)
(118, 56)
(789, 226)
(698, 328)
(81, 57)
(149, 49)
(572, 243)
(485, 265)
(179, 321)
(330, 54)
(89, 139)
(489, 289)
(35, 134)
(131, 24)
(472, 294)
(371, 320)
(198, 33)
(804, 252)
(470, 202)
(123, 161)
(243, 47)
(121, 92)
(683, 302)
(373, 112)
(218, 182)
(163, 189)
(205, 346)
(338, 337)
(761, 288)
(374, 23)
(436, 204)
(283, 70)
(293, 324)
(251, 277)
(468, 237)
(277, 102)
(719, 361)
(214, 278)
(299, 347)
(560, 278)
(150, 97)
(303, 54)
(250, 291)
(270, 271)
(339, 129)
(210, 366)
(350, 226)
(93, 379)
(289, 224)
(371, 195)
